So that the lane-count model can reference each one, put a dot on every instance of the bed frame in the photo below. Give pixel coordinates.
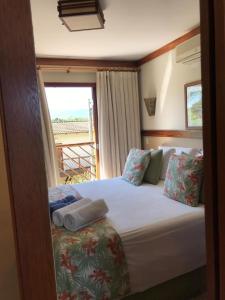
(183, 287)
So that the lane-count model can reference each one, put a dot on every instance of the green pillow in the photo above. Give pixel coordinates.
(153, 172)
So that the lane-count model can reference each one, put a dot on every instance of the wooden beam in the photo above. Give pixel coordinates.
(169, 46)
(81, 63)
(191, 134)
(70, 84)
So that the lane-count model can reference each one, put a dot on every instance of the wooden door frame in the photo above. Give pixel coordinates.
(21, 123)
(20, 116)
(91, 85)
(213, 80)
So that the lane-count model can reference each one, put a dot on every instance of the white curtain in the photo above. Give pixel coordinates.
(51, 164)
(119, 119)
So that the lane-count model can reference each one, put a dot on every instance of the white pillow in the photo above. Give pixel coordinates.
(190, 151)
(167, 152)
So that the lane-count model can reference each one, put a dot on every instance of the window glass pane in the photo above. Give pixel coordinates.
(71, 111)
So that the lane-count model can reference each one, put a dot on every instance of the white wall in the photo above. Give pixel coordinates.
(76, 77)
(165, 79)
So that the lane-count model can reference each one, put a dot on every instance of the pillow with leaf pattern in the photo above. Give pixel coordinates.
(184, 179)
(136, 165)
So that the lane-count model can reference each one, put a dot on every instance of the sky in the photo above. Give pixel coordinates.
(68, 102)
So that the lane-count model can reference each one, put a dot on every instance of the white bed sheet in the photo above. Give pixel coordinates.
(162, 238)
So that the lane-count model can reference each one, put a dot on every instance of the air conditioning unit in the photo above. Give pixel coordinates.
(189, 52)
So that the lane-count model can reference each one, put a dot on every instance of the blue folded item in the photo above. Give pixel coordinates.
(55, 205)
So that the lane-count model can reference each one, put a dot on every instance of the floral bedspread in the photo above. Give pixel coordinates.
(90, 263)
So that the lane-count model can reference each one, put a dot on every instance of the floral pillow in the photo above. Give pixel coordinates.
(184, 179)
(136, 165)
(201, 196)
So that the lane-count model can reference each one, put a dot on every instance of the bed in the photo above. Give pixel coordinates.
(162, 238)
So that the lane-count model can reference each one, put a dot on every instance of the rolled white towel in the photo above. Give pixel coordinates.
(85, 215)
(58, 215)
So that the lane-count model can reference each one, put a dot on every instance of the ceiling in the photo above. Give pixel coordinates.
(133, 29)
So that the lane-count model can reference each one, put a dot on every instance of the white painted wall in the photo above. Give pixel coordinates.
(76, 77)
(165, 79)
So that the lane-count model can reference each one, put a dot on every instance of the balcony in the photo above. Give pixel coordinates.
(77, 162)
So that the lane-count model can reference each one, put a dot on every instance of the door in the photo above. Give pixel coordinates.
(213, 80)
(20, 117)
(73, 112)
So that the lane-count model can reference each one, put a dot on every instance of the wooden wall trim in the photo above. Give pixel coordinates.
(70, 84)
(22, 133)
(88, 63)
(169, 46)
(192, 134)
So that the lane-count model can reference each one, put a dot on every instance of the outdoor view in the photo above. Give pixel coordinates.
(71, 111)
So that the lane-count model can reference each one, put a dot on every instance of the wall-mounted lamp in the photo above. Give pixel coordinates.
(150, 104)
(79, 15)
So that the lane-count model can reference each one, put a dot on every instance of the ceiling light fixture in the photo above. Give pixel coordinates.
(78, 15)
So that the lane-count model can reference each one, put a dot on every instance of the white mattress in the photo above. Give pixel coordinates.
(162, 238)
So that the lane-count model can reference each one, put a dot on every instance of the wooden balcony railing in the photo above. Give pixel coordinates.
(77, 162)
